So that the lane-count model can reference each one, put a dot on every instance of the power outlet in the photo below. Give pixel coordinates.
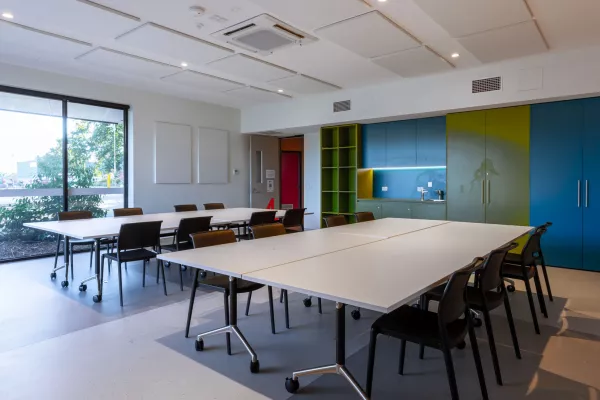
(429, 184)
(384, 188)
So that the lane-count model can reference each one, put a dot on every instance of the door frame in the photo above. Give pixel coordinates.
(300, 173)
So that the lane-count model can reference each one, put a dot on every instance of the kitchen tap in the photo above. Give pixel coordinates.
(423, 191)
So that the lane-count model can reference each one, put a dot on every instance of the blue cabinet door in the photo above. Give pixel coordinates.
(373, 145)
(431, 141)
(591, 185)
(401, 144)
(555, 175)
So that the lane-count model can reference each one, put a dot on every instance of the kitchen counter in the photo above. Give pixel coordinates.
(403, 208)
(383, 200)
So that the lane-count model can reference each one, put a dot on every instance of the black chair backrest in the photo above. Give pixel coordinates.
(267, 230)
(335, 220)
(185, 207)
(214, 206)
(294, 217)
(489, 276)
(453, 302)
(126, 212)
(532, 248)
(213, 238)
(138, 235)
(364, 216)
(74, 215)
(189, 226)
(262, 217)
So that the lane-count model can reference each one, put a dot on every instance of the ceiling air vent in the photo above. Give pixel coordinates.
(487, 85)
(263, 34)
(340, 106)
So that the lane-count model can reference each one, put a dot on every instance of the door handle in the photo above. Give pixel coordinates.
(587, 192)
(578, 193)
(489, 197)
(483, 191)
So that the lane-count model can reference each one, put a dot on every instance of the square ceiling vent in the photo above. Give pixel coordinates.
(263, 35)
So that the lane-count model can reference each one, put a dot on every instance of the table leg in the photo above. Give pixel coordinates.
(231, 328)
(82, 285)
(65, 283)
(339, 368)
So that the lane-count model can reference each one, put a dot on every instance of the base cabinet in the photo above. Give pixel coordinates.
(403, 209)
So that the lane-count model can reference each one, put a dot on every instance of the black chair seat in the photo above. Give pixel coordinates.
(131, 255)
(419, 326)
(173, 247)
(221, 283)
(516, 271)
(513, 258)
(493, 298)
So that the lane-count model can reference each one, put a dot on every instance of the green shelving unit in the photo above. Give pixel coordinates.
(340, 153)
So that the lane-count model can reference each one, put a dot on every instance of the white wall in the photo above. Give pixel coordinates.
(146, 108)
(563, 75)
(312, 180)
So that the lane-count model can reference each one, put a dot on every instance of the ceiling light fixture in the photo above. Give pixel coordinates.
(382, 1)
(455, 55)
(184, 64)
(8, 15)
(280, 90)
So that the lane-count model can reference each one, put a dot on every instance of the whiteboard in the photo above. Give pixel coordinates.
(172, 153)
(213, 155)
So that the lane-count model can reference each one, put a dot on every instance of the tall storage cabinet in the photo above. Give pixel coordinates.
(565, 180)
(488, 166)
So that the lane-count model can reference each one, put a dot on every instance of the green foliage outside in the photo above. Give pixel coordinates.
(88, 141)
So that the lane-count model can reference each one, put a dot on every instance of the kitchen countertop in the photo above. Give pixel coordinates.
(403, 200)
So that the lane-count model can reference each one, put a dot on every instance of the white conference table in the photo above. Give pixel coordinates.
(100, 228)
(379, 274)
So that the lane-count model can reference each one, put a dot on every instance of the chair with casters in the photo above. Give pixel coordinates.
(486, 295)
(220, 282)
(364, 216)
(335, 220)
(259, 218)
(183, 240)
(132, 244)
(524, 268)
(185, 207)
(214, 206)
(72, 216)
(515, 258)
(443, 330)
(221, 206)
(294, 220)
(127, 212)
(265, 231)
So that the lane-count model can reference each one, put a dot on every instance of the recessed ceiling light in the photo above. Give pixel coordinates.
(184, 64)
(280, 90)
(382, 1)
(8, 15)
(455, 55)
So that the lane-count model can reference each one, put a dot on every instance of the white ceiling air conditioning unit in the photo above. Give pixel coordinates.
(263, 34)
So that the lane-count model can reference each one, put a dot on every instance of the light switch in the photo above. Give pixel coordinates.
(384, 188)
(429, 184)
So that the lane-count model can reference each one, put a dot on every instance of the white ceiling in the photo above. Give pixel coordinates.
(143, 43)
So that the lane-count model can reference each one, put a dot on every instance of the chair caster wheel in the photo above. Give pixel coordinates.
(82, 287)
(477, 323)
(461, 345)
(53, 275)
(307, 302)
(510, 288)
(292, 385)
(416, 305)
(355, 314)
(64, 284)
(254, 367)
(202, 274)
(183, 268)
(199, 344)
(97, 298)
(168, 264)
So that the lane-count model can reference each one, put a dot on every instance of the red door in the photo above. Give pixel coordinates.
(290, 178)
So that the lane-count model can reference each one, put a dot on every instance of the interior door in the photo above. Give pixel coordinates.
(591, 185)
(466, 166)
(264, 170)
(507, 165)
(290, 178)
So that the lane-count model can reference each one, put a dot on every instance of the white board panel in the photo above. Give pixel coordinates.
(172, 153)
(213, 155)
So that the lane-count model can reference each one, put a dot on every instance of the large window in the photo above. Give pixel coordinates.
(56, 154)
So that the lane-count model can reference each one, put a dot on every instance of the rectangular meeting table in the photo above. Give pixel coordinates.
(403, 263)
(101, 228)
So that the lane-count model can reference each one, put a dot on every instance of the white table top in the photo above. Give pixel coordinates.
(383, 275)
(110, 226)
(236, 259)
(387, 227)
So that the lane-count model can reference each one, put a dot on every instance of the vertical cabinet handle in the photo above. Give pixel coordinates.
(587, 193)
(489, 196)
(578, 193)
(483, 191)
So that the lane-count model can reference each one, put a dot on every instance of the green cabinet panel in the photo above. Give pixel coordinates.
(369, 206)
(466, 166)
(428, 211)
(401, 144)
(395, 209)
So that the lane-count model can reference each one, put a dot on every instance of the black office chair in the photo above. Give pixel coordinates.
(515, 258)
(214, 206)
(525, 268)
(72, 216)
(185, 207)
(259, 218)
(183, 241)
(126, 212)
(132, 246)
(364, 216)
(294, 220)
(488, 294)
(443, 330)
(335, 220)
(221, 282)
